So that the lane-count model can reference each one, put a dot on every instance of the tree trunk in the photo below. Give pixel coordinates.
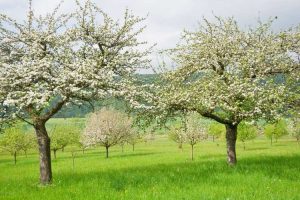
(15, 157)
(45, 153)
(213, 138)
(180, 145)
(83, 151)
(106, 151)
(132, 147)
(231, 134)
(73, 160)
(122, 148)
(25, 153)
(192, 152)
(54, 154)
(244, 146)
(271, 141)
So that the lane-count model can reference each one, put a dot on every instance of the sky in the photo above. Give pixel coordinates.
(166, 19)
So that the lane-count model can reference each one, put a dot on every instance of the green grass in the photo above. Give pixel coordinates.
(159, 170)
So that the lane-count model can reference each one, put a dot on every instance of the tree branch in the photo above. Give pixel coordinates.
(54, 110)
(24, 120)
(215, 117)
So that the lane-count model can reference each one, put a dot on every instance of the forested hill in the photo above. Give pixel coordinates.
(80, 111)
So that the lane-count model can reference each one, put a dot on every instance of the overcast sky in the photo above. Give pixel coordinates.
(167, 18)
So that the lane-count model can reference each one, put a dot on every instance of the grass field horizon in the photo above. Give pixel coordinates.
(159, 170)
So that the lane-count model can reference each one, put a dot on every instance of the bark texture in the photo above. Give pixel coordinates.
(231, 135)
(45, 153)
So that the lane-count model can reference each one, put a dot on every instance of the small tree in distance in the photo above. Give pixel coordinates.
(269, 131)
(82, 144)
(177, 135)
(14, 141)
(193, 131)
(246, 132)
(295, 129)
(216, 130)
(61, 136)
(107, 128)
(134, 138)
(276, 130)
(74, 142)
(281, 129)
(149, 137)
(28, 142)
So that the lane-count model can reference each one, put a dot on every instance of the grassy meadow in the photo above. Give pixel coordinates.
(159, 170)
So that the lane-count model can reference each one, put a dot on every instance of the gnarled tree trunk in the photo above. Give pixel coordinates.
(231, 135)
(45, 153)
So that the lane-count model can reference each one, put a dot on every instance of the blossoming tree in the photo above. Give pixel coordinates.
(107, 128)
(229, 74)
(193, 131)
(177, 135)
(53, 60)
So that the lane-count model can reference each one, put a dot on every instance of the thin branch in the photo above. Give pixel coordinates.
(24, 120)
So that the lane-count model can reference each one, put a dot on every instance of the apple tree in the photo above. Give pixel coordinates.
(229, 74)
(57, 59)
